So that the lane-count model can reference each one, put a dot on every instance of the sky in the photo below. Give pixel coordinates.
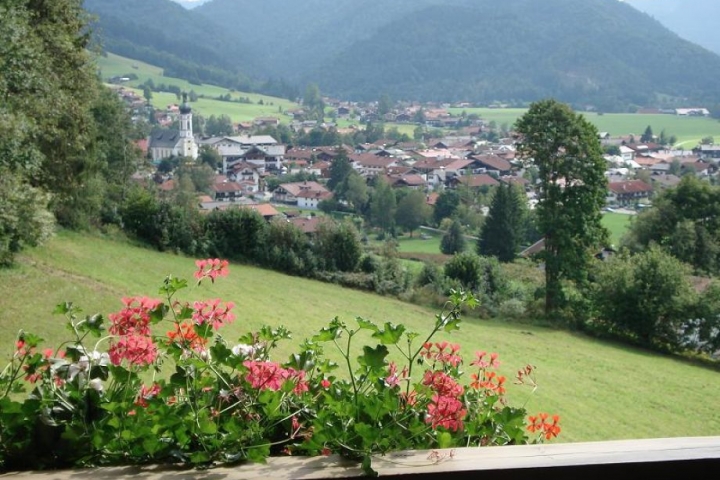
(190, 3)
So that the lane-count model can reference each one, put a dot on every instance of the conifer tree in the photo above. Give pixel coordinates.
(501, 234)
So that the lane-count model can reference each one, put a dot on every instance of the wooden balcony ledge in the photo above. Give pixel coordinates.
(682, 458)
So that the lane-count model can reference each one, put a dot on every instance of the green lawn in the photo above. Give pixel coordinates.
(617, 224)
(688, 130)
(601, 390)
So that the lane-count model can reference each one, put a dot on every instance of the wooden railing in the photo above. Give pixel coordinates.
(654, 459)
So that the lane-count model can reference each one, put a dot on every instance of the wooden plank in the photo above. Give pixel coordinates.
(687, 457)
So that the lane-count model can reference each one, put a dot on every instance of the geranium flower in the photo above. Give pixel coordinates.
(213, 313)
(211, 268)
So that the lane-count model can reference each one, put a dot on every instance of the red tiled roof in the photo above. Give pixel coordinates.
(371, 160)
(493, 162)
(478, 180)
(629, 186)
(307, 224)
(227, 187)
(514, 180)
(264, 209)
(295, 189)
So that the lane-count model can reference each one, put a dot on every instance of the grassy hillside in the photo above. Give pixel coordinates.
(602, 390)
(112, 65)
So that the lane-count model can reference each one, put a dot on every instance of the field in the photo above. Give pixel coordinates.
(688, 130)
(114, 65)
(617, 224)
(601, 390)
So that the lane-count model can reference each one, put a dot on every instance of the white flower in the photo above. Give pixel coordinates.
(96, 384)
(84, 363)
(243, 350)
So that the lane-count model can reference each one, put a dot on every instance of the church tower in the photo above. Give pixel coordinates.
(189, 147)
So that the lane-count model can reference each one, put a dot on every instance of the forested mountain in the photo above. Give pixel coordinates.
(694, 20)
(165, 34)
(591, 52)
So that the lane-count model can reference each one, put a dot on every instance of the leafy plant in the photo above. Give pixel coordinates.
(119, 393)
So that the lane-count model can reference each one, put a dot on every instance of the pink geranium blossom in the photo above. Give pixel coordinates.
(211, 268)
(213, 313)
(136, 349)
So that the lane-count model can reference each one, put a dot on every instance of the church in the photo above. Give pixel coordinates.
(175, 143)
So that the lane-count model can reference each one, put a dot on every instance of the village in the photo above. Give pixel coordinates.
(474, 157)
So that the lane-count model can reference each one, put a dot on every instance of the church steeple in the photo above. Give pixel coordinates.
(185, 118)
(188, 146)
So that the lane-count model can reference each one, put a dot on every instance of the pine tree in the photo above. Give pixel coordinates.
(502, 232)
(453, 241)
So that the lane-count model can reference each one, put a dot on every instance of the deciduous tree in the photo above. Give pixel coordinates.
(565, 148)
(412, 211)
(383, 205)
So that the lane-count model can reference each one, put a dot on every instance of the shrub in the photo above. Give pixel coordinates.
(92, 400)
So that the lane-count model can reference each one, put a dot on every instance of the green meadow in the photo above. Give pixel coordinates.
(113, 65)
(601, 390)
(617, 224)
(688, 130)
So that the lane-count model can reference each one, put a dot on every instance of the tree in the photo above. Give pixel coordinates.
(219, 126)
(382, 205)
(412, 211)
(647, 136)
(210, 157)
(313, 103)
(446, 205)
(565, 148)
(340, 168)
(465, 268)
(502, 233)
(356, 190)
(384, 105)
(147, 94)
(453, 241)
(337, 246)
(24, 218)
(646, 298)
(685, 222)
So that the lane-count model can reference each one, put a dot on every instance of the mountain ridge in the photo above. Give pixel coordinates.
(599, 53)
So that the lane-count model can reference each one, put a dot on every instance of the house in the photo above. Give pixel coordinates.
(266, 121)
(492, 164)
(227, 191)
(699, 168)
(627, 192)
(369, 165)
(311, 199)
(664, 181)
(692, 112)
(474, 182)
(267, 211)
(270, 157)
(627, 154)
(409, 180)
(302, 194)
(308, 225)
(248, 173)
(708, 151)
